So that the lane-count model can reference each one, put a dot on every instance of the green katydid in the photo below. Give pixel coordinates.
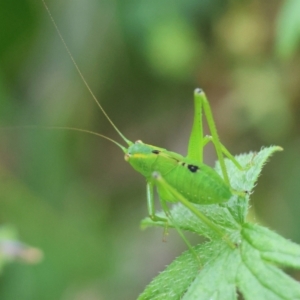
(177, 178)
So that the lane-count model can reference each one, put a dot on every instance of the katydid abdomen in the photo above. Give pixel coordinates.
(203, 186)
(196, 181)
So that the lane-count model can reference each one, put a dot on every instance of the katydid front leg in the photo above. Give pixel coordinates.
(155, 218)
(151, 206)
(209, 138)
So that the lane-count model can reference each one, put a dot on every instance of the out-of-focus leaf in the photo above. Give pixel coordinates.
(288, 29)
(172, 48)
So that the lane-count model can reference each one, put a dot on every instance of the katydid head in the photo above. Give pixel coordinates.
(142, 157)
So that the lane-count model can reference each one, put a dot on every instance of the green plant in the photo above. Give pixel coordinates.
(252, 268)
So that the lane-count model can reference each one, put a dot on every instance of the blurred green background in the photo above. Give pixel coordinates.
(71, 194)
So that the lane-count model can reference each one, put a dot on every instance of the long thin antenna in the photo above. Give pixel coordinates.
(68, 128)
(82, 77)
(89, 132)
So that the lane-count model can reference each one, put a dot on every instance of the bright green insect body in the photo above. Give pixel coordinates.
(177, 179)
(184, 179)
(196, 181)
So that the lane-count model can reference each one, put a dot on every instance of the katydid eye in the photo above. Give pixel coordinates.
(193, 168)
(155, 151)
(138, 142)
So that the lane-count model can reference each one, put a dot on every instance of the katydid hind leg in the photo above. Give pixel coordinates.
(159, 180)
(197, 140)
(195, 146)
(209, 138)
(214, 134)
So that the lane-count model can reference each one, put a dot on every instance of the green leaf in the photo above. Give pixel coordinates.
(245, 180)
(186, 220)
(249, 269)
(216, 280)
(226, 271)
(272, 246)
(253, 163)
(269, 282)
(174, 281)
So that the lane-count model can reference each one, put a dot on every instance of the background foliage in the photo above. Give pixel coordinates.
(72, 195)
